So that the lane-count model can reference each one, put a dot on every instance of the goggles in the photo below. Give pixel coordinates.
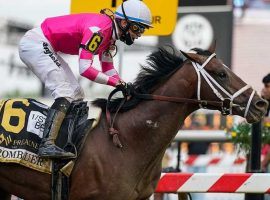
(137, 28)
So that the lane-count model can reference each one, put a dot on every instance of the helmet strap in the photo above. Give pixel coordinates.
(125, 36)
(126, 18)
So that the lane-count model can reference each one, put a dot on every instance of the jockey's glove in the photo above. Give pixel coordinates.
(126, 88)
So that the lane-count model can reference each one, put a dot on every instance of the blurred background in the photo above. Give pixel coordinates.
(241, 29)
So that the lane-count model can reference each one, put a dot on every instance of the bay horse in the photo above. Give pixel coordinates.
(168, 89)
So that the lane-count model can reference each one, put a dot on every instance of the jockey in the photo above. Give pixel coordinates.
(85, 35)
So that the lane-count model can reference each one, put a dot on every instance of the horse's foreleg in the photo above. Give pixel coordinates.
(4, 195)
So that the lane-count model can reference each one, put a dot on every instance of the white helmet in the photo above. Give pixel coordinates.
(136, 11)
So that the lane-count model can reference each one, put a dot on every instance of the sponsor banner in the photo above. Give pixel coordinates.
(26, 158)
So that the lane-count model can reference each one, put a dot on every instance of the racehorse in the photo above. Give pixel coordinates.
(167, 89)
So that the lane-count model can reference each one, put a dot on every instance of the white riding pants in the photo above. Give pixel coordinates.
(37, 53)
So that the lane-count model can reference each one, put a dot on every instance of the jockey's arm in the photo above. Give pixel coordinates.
(107, 66)
(89, 71)
(90, 44)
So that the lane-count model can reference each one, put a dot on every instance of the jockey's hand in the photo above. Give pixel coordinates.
(125, 88)
(121, 85)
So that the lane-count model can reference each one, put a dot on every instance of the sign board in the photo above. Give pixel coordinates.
(193, 30)
(200, 26)
(164, 13)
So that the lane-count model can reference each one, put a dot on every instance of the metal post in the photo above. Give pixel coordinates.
(178, 168)
(255, 156)
(121, 49)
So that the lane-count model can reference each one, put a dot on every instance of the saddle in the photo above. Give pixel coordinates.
(73, 129)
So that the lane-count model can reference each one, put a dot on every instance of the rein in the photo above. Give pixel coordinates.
(177, 99)
(110, 120)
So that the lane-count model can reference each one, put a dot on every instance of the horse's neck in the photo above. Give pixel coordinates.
(154, 124)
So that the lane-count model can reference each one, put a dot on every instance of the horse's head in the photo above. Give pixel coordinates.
(216, 82)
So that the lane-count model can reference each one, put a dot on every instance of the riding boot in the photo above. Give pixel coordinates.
(55, 117)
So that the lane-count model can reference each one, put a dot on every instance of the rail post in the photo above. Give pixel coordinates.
(255, 156)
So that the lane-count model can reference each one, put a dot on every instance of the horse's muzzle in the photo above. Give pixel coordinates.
(257, 110)
(262, 105)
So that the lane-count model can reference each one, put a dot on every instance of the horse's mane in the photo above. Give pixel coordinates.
(160, 65)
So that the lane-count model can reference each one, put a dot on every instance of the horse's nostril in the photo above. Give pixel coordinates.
(262, 104)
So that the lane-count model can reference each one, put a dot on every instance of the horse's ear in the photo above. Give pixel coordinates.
(212, 48)
(188, 56)
(192, 56)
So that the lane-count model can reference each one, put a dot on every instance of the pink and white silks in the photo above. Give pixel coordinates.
(67, 33)
(85, 35)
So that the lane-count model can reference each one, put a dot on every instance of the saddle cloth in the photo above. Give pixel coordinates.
(22, 125)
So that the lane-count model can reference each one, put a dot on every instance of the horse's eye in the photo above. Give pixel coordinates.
(222, 75)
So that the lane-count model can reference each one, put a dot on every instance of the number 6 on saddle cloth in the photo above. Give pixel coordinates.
(22, 125)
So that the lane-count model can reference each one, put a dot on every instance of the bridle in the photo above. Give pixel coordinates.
(225, 104)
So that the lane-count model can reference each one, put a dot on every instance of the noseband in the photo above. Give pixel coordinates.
(228, 104)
